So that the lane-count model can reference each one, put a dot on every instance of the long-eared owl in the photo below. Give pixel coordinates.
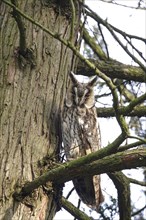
(81, 135)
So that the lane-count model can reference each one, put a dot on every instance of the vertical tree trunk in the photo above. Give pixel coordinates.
(32, 90)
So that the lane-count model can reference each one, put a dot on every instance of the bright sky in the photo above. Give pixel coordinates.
(133, 22)
(129, 20)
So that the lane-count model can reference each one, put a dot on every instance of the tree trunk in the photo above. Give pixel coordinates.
(33, 83)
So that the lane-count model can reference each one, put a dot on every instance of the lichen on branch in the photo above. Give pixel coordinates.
(80, 167)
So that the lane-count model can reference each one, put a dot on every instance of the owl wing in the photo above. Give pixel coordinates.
(90, 132)
(70, 134)
(88, 188)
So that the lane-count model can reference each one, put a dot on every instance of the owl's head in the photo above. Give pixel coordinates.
(80, 94)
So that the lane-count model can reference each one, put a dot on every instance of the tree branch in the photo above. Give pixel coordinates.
(139, 211)
(129, 146)
(126, 6)
(113, 69)
(21, 27)
(139, 111)
(110, 67)
(95, 47)
(129, 110)
(70, 192)
(135, 102)
(103, 39)
(141, 183)
(82, 167)
(122, 185)
(68, 206)
(98, 19)
(72, 21)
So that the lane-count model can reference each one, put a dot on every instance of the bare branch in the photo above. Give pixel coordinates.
(128, 35)
(129, 146)
(68, 206)
(137, 138)
(139, 111)
(70, 192)
(103, 38)
(139, 211)
(126, 6)
(95, 47)
(21, 27)
(122, 185)
(141, 183)
(113, 69)
(134, 103)
(72, 21)
(82, 166)
(134, 48)
(93, 15)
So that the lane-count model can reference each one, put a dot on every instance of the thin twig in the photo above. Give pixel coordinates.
(134, 103)
(94, 46)
(93, 15)
(72, 21)
(105, 44)
(129, 146)
(68, 206)
(70, 192)
(134, 48)
(127, 35)
(126, 6)
(21, 27)
(139, 211)
(138, 138)
(141, 183)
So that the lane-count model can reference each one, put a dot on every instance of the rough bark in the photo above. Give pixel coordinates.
(32, 89)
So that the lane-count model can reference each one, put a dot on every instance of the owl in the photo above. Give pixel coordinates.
(81, 135)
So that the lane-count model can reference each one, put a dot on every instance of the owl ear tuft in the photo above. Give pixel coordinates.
(90, 103)
(73, 78)
(92, 82)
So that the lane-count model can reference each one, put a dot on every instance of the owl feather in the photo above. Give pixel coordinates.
(81, 135)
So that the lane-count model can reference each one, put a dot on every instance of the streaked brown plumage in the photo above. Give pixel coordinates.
(81, 135)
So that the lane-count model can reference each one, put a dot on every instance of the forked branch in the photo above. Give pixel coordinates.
(82, 166)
